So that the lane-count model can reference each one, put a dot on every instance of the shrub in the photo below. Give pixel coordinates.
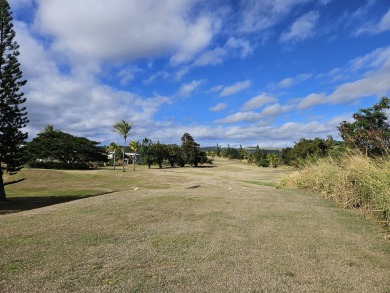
(59, 165)
(263, 163)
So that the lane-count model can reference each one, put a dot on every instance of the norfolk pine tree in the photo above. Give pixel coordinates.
(13, 116)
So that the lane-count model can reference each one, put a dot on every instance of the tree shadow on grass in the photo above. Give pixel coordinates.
(165, 167)
(14, 182)
(199, 166)
(205, 166)
(20, 204)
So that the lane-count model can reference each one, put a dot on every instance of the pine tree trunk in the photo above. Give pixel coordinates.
(3, 197)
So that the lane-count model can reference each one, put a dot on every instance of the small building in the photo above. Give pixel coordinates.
(131, 156)
(110, 156)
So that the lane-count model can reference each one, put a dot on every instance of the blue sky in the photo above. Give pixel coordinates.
(237, 72)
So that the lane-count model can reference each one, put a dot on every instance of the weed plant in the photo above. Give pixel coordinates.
(352, 180)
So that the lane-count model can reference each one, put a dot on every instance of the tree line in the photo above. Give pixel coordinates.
(257, 156)
(156, 153)
(55, 149)
(369, 133)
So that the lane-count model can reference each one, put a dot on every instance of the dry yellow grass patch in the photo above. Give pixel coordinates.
(354, 181)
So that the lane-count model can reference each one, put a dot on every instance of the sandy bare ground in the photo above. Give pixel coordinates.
(209, 229)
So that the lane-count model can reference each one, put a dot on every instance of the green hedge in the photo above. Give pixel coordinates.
(59, 165)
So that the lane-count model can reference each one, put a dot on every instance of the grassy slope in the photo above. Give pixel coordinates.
(33, 188)
(222, 235)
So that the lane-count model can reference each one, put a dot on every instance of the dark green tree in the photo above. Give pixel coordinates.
(191, 150)
(309, 149)
(13, 116)
(218, 151)
(158, 153)
(210, 153)
(274, 159)
(203, 158)
(231, 153)
(370, 132)
(259, 156)
(243, 154)
(145, 151)
(64, 148)
(306, 148)
(226, 152)
(174, 155)
(287, 155)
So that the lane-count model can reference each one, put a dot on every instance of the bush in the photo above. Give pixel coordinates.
(263, 163)
(59, 165)
(353, 181)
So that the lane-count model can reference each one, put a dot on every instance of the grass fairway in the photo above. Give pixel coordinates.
(208, 229)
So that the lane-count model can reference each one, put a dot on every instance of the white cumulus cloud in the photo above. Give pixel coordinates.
(73, 102)
(258, 16)
(375, 28)
(240, 117)
(290, 81)
(218, 107)
(374, 81)
(276, 109)
(120, 29)
(235, 88)
(186, 89)
(303, 28)
(258, 101)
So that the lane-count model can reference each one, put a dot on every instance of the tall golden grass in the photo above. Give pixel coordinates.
(353, 181)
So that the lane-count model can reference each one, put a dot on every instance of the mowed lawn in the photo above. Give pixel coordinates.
(221, 228)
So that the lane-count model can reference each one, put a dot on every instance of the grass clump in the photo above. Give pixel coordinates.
(353, 181)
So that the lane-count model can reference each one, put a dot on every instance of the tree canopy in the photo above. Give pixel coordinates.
(157, 153)
(191, 150)
(56, 146)
(370, 130)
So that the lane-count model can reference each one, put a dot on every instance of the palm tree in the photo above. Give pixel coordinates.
(123, 128)
(49, 129)
(134, 147)
(113, 147)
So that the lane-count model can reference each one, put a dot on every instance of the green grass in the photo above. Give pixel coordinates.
(33, 188)
(79, 183)
(270, 184)
(249, 238)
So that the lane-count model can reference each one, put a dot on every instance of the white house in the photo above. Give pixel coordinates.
(131, 155)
